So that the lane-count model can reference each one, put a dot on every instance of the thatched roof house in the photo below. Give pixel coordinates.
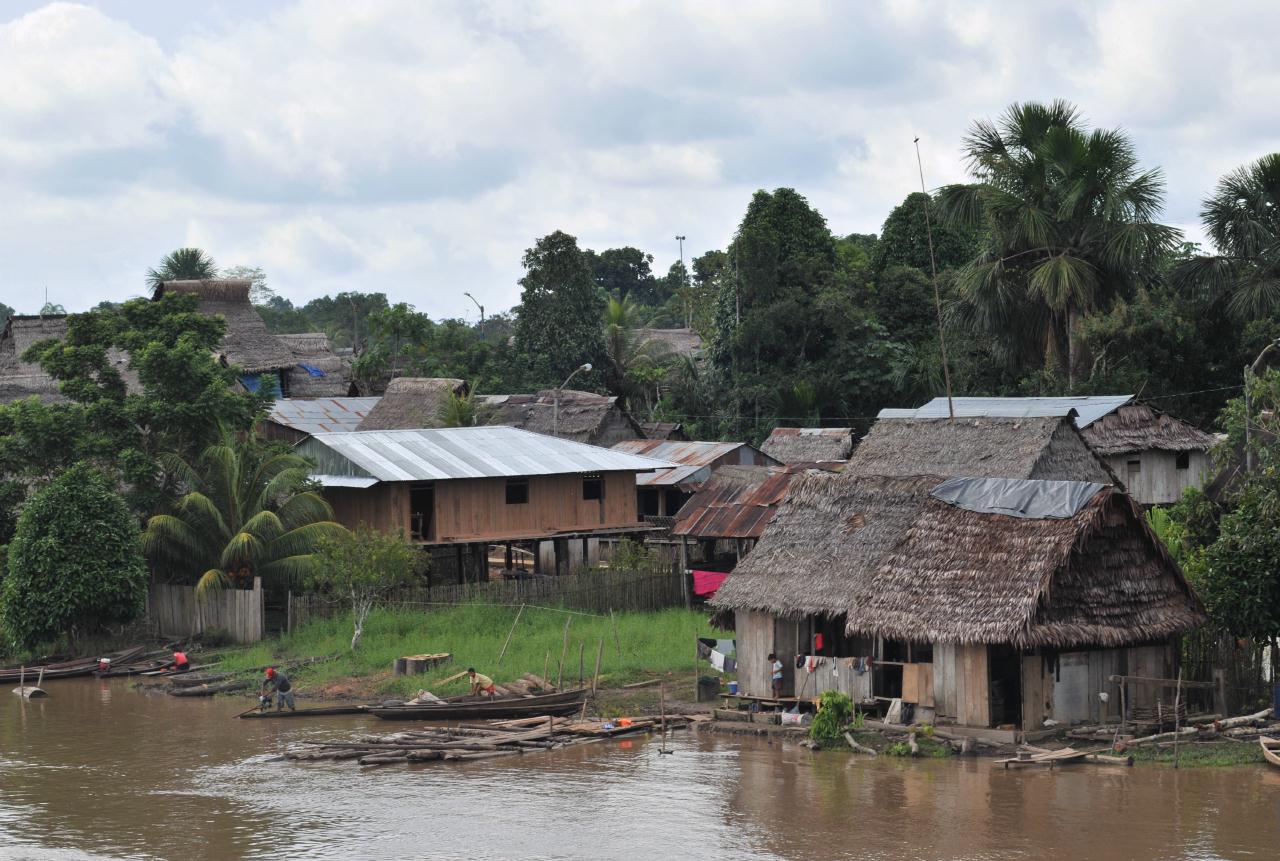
(413, 402)
(583, 416)
(247, 343)
(1046, 448)
(20, 379)
(663, 430)
(809, 445)
(679, 342)
(317, 372)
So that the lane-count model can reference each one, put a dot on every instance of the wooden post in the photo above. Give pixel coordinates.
(662, 706)
(685, 591)
(509, 635)
(617, 640)
(563, 649)
(288, 612)
(595, 679)
(546, 662)
(581, 649)
(508, 559)
(1220, 692)
(1177, 701)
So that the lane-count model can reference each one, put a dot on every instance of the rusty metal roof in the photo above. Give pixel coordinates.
(695, 459)
(738, 502)
(320, 415)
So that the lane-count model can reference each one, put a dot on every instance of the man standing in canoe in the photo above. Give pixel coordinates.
(481, 685)
(278, 683)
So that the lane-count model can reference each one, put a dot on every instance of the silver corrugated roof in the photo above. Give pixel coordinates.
(693, 459)
(475, 452)
(320, 415)
(1088, 408)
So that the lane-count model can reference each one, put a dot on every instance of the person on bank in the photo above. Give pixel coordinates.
(180, 662)
(775, 672)
(276, 682)
(481, 685)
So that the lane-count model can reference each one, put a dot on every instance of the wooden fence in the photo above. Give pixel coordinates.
(590, 591)
(176, 611)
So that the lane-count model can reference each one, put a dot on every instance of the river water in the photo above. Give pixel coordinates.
(101, 771)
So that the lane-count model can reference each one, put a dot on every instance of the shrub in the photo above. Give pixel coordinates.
(75, 565)
(834, 712)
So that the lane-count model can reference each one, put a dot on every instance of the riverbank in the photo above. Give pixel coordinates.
(633, 647)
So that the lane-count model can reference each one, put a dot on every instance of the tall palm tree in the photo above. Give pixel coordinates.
(1243, 220)
(1069, 222)
(247, 513)
(634, 362)
(184, 264)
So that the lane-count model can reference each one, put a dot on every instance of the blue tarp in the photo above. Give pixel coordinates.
(256, 382)
(312, 370)
(1017, 497)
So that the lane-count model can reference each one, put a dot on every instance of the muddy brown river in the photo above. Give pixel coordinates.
(100, 771)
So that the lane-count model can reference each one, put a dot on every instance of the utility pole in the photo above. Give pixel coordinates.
(937, 296)
(684, 287)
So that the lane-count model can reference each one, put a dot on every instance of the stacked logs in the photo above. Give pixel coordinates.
(467, 742)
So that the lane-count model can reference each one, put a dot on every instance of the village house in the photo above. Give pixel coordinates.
(1155, 455)
(993, 605)
(459, 490)
(292, 420)
(663, 430)
(809, 445)
(317, 372)
(20, 379)
(661, 493)
(413, 402)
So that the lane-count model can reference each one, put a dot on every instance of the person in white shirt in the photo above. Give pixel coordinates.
(775, 667)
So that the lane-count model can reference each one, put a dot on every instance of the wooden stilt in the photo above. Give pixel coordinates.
(563, 649)
(595, 679)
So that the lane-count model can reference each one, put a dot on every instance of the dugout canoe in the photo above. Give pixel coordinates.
(67, 669)
(1270, 749)
(499, 708)
(324, 711)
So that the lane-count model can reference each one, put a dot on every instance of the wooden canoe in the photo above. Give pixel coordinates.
(563, 703)
(1270, 749)
(325, 711)
(66, 669)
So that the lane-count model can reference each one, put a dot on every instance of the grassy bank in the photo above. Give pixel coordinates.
(1197, 754)
(636, 646)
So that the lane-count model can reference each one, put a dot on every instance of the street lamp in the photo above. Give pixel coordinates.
(478, 305)
(555, 403)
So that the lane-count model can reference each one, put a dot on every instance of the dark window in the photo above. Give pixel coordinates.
(517, 491)
(1134, 467)
(592, 487)
(1183, 460)
(421, 511)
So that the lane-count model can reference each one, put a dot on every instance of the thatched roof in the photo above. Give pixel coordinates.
(1047, 448)
(663, 430)
(583, 416)
(1141, 427)
(681, 342)
(413, 402)
(825, 538)
(247, 343)
(809, 445)
(1100, 577)
(898, 563)
(738, 502)
(19, 379)
(313, 350)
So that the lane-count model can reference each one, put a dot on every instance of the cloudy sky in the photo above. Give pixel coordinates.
(418, 148)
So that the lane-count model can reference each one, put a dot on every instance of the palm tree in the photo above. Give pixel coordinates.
(185, 264)
(1243, 220)
(459, 411)
(1068, 220)
(248, 513)
(634, 362)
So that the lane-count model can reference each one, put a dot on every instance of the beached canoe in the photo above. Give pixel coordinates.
(497, 708)
(325, 711)
(67, 669)
(1270, 749)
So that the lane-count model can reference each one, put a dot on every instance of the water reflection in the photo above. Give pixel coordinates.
(101, 771)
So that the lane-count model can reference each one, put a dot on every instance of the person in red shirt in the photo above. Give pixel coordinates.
(180, 662)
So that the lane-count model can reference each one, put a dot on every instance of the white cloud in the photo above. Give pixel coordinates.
(419, 148)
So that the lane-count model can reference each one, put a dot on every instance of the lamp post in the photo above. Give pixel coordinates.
(687, 322)
(478, 305)
(555, 402)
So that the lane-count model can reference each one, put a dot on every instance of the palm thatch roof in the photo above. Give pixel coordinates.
(1099, 577)
(20, 379)
(828, 534)
(738, 502)
(681, 342)
(663, 430)
(413, 402)
(247, 343)
(312, 350)
(1138, 427)
(583, 416)
(1038, 447)
(809, 445)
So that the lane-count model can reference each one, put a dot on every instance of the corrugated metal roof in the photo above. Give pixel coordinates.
(692, 460)
(320, 415)
(475, 452)
(1088, 408)
(733, 509)
(345, 480)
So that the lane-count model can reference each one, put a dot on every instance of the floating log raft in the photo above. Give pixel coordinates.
(208, 690)
(471, 742)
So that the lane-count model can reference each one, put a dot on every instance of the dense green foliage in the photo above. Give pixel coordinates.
(835, 710)
(248, 513)
(74, 566)
(561, 307)
(360, 567)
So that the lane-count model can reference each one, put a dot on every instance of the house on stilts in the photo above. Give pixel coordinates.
(990, 604)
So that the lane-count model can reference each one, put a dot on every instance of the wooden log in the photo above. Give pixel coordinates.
(1243, 720)
(384, 758)
(415, 666)
(860, 748)
(400, 667)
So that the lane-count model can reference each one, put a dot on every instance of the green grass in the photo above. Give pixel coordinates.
(1196, 754)
(651, 642)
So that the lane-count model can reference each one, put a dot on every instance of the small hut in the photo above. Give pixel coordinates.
(663, 430)
(992, 604)
(565, 413)
(20, 379)
(413, 402)
(318, 372)
(809, 445)
(1035, 447)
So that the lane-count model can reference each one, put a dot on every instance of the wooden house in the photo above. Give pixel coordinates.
(661, 493)
(722, 521)
(990, 604)
(809, 445)
(468, 488)
(317, 372)
(20, 379)
(1155, 455)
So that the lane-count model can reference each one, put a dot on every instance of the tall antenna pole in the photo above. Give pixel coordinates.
(937, 296)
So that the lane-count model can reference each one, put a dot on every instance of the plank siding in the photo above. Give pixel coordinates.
(755, 634)
(175, 611)
(975, 705)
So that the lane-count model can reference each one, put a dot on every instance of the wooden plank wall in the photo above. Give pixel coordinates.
(590, 591)
(383, 506)
(176, 611)
(755, 635)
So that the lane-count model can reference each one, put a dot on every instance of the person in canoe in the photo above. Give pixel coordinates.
(276, 682)
(481, 685)
(180, 663)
